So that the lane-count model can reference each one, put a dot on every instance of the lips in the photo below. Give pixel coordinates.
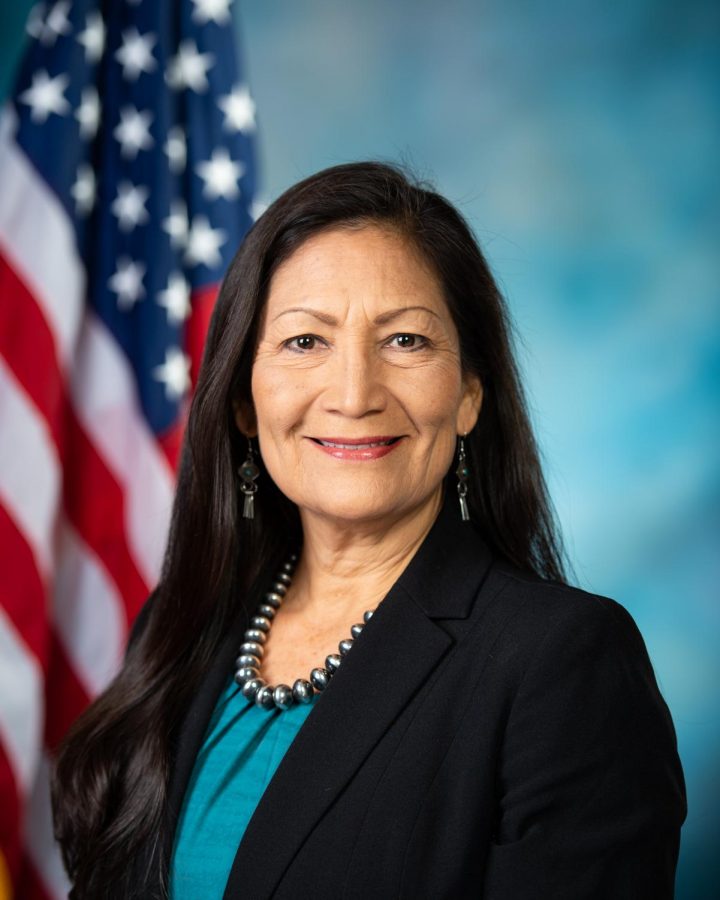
(358, 450)
(363, 443)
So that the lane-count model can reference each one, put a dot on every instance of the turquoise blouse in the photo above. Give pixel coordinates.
(242, 749)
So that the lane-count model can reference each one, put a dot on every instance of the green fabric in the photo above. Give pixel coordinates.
(241, 751)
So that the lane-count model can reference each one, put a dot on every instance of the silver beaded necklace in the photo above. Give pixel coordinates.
(247, 665)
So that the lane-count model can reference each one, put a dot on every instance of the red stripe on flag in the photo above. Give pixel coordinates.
(66, 698)
(95, 505)
(22, 590)
(93, 498)
(29, 885)
(9, 816)
(27, 344)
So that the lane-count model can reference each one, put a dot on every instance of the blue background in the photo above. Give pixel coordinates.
(581, 139)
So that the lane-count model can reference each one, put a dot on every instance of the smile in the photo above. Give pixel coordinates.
(357, 445)
(371, 447)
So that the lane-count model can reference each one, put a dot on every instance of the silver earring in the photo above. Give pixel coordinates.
(462, 473)
(249, 473)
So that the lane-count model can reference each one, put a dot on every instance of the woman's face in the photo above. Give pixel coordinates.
(357, 346)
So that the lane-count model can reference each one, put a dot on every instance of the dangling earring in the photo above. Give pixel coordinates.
(249, 473)
(462, 473)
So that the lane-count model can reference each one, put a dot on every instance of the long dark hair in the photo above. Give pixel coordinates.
(109, 784)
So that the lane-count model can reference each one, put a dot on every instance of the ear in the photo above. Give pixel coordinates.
(245, 418)
(470, 404)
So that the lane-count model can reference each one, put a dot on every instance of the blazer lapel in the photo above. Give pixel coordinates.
(396, 653)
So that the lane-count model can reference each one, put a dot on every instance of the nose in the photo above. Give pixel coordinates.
(355, 386)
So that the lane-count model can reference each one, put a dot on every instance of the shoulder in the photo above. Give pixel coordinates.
(587, 751)
(573, 652)
(552, 635)
(542, 608)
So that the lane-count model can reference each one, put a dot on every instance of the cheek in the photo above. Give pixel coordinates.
(272, 393)
(435, 398)
(275, 397)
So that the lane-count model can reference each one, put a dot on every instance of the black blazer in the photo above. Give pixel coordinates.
(489, 735)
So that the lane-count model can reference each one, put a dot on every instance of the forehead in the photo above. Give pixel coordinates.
(370, 264)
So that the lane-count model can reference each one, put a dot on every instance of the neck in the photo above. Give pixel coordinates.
(347, 565)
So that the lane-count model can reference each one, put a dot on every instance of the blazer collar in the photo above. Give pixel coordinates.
(443, 576)
(399, 648)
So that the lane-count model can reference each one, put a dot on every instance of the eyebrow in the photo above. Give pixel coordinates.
(382, 319)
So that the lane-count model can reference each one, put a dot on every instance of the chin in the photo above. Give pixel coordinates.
(351, 508)
(389, 506)
(357, 512)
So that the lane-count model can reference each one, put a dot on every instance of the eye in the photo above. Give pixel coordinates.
(301, 343)
(410, 341)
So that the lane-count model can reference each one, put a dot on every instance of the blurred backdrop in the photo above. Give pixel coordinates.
(581, 141)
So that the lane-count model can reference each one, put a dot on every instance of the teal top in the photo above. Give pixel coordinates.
(242, 749)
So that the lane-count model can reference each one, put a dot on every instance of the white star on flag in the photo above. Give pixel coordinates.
(176, 149)
(220, 174)
(239, 109)
(83, 191)
(204, 243)
(133, 132)
(135, 55)
(176, 298)
(211, 10)
(88, 113)
(176, 224)
(127, 282)
(46, 95)
(55, 25)
(189, 68)
(93, 38)
(129, 206)
(174, 373)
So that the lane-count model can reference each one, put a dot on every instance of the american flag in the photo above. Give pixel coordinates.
(126, 183)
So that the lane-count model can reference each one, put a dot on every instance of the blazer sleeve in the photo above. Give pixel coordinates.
(591, 791)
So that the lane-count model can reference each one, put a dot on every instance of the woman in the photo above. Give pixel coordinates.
(472, 727)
